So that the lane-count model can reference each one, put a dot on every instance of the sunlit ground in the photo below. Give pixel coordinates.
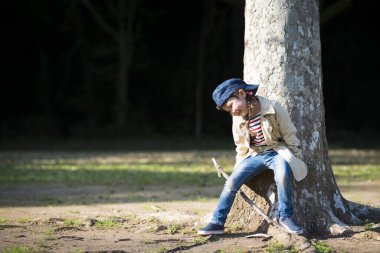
(134, 176)
(155, 199)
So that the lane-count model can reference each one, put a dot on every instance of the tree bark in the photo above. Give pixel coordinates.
(283, 54)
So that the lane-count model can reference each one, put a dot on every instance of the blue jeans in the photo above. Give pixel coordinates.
(246, 170)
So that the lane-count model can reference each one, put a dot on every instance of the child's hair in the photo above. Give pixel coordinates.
(236, 93)
(252, 102)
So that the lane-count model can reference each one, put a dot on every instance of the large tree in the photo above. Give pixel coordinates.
(283, 54)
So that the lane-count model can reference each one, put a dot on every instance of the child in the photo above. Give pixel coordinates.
(265, 138)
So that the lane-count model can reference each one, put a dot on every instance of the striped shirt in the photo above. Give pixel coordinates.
(257, 136)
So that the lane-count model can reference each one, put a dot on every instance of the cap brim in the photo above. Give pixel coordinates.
(251, 87)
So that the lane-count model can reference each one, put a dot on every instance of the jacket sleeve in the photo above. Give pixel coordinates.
(288, 131)
(239, 139)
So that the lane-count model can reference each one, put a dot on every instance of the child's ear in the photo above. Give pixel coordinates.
(242, 93)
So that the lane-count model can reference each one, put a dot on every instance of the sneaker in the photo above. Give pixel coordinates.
(212, 229)
(290, 226)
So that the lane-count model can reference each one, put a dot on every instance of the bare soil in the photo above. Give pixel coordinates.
(159, 225)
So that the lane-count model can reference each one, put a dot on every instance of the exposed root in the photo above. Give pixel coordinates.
(301, 243)
(339, 230)
(336, 227)
(365, 212)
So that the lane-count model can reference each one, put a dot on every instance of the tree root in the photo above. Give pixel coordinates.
(365, 212)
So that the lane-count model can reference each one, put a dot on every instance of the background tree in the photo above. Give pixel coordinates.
(123, 34)
(283, 54)
(206, 26)
(62, 55)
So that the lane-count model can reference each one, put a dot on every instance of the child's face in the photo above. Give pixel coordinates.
(237, 106)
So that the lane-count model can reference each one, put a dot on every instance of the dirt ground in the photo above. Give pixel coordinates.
(157, 226)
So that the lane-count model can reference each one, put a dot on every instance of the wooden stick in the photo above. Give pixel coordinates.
(220, 171)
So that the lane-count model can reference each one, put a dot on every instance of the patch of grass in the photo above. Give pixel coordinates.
(368, 225)
(354, 156)
(200, 239)
(172, 229)
(72, 223)
(229, 250)
(136, 169)
(3, 220)
(154, 208)
(233, 228)
(17, 249)
(24, 220)
(148, 241)
(321, 247)
(139, 169)
(76, 251)
(189, 231)
(162, 249)
(152, 229)
(350, 173)
(109, 223)
(275, 247)
(153, 220)
(49, 234)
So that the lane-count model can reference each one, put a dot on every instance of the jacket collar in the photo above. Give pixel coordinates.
(266, 106)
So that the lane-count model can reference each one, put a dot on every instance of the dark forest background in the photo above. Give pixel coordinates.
(116, 69)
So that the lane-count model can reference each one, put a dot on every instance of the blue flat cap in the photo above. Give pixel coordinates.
(225, 90)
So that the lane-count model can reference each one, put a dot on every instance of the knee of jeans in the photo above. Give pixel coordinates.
(231, 185)
(283, 175)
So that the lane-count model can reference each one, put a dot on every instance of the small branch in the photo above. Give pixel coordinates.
(245, 197)
(107, 28)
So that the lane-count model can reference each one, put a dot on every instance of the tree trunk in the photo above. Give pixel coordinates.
(283, 54)
(121, 93)
(124, 38)
(126, 21)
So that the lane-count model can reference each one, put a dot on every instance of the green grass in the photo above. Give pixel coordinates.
(17, 249)
(3, 220)
(108, 223)
(172, 229)
(24, 220)
(72, 223)
(349, 173)
(274, 247)
(368, 225)
(321, 247)
(133, 169)
(138, 169)
(350, 165)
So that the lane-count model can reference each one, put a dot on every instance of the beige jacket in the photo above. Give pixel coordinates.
(279, 133)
